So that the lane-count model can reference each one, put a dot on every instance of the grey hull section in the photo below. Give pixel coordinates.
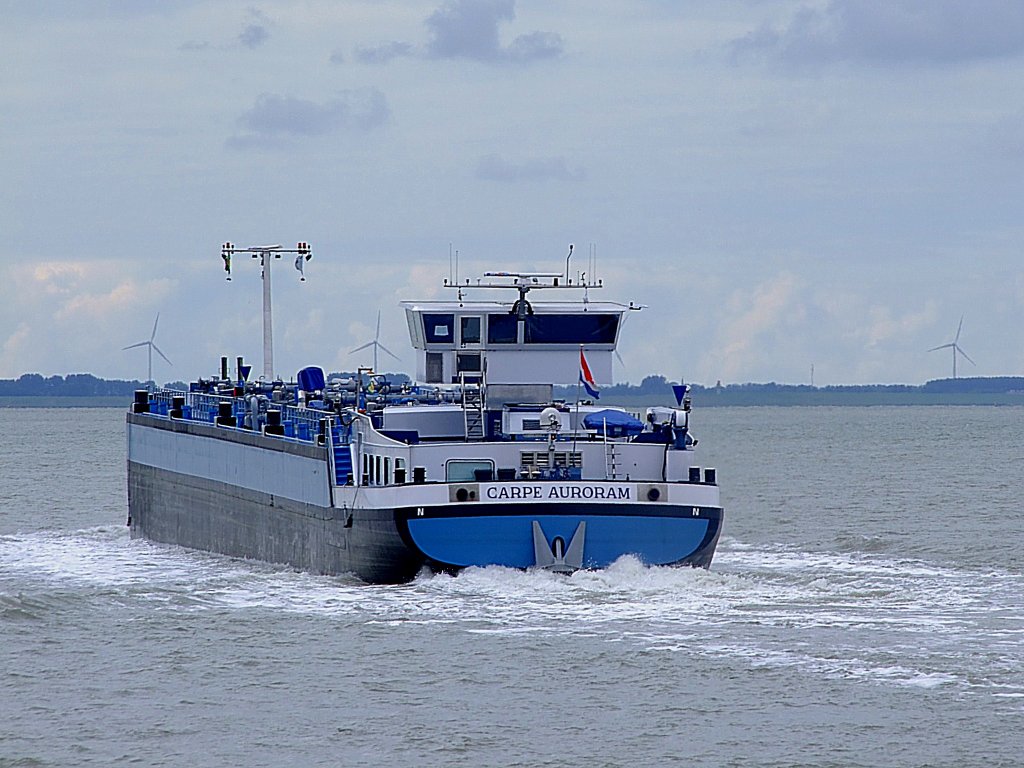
(247, 495)
(216, 517)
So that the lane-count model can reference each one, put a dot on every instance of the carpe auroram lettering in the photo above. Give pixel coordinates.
(559, 492)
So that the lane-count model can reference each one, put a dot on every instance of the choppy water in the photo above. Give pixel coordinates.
(866, 608)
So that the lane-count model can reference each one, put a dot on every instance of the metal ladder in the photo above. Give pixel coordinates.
(611, 460)
(472, 409)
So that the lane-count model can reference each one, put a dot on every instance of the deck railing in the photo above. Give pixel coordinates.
(302, 424)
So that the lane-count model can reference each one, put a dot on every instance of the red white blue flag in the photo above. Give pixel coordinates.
(587, 378)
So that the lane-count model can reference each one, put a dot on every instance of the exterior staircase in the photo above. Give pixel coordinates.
(473, 409)
(611, 461)
(342, 457)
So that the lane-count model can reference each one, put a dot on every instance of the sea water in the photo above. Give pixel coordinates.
(865, 608)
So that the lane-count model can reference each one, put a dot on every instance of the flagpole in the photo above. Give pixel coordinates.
(576, 423)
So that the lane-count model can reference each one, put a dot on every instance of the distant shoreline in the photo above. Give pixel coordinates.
(64, 401)
(828, 399)
(706, 399)
(86, 391)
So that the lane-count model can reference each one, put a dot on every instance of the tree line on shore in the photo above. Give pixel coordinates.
(72, 385)
(659, 385)
(87, 385)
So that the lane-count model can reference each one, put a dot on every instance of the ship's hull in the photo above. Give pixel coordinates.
(249, 496)
(452, 537)
(218, 517)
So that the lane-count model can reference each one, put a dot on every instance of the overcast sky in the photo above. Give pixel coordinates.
(783, 183)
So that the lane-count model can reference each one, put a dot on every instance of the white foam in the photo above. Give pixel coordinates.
(929, 680)
(754, 600)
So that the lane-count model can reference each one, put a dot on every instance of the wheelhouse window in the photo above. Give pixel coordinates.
(571, 329)
(415, 328)
(502, 329)
(438, 329)
(469, 330)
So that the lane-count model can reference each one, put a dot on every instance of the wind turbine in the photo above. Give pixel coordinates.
(955, 346)
(376, 345)
(152, 346)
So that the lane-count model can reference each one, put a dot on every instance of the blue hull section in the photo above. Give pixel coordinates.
(504, 535)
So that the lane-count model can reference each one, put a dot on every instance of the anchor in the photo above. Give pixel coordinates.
(556, 556)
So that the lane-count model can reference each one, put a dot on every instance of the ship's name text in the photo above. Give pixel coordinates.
(559, 492)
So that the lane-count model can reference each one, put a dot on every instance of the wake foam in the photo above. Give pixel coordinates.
(845, 615)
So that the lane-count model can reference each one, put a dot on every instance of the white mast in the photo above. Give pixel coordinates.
(266, 253)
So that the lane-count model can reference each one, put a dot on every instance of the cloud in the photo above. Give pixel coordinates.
(255, 33)
(15, 347)
(337, 58)
(468, 29)
(75, 315)
(867, 323)
(253, 36)
(383, 53)
(754, 315)
(125, 296)
(54, 278)
(536, 45)
(495, 168)
(896, 31)
(273, 117)
(883, 326)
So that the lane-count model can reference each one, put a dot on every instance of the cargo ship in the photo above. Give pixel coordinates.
(476, 463)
